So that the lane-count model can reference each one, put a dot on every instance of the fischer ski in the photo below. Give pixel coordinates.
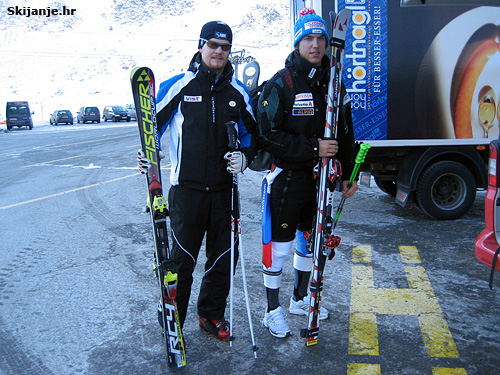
(143, 91)
(322, 239)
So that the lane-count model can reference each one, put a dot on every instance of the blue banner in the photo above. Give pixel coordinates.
(365, 67)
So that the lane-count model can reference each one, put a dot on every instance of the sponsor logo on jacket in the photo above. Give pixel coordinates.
(189, 98)
(303, 105)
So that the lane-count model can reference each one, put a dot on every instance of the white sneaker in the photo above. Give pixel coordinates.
(276, 322)
(301, 307)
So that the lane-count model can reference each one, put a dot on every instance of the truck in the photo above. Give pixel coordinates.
(423, 77)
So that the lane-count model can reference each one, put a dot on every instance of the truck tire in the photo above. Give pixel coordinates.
(446, 190)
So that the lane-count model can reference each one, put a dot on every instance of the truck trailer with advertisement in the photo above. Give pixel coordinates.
(423, 77)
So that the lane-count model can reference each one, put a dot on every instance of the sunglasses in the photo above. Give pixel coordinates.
(215, 45)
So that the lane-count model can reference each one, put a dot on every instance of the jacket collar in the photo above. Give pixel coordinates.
(202, 70)
(313, 73)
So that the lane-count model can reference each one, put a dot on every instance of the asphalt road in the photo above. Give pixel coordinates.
(77, 296)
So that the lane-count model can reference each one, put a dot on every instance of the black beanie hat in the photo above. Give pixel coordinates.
(217, 30)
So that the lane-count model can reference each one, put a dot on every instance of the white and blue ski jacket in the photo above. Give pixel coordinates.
(196, 106)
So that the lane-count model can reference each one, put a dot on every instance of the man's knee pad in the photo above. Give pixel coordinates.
(302, 262)
(280, 250)
(272, 280)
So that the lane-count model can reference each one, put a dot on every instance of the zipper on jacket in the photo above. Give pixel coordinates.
(213, 109)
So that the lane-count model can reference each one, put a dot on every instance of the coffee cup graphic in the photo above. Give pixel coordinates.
(458, 85)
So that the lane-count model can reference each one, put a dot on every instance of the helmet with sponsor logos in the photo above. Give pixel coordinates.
(309, 23)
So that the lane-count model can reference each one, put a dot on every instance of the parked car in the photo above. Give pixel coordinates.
(131, 111)
(61, 117)
(18, 114)
(488, 242)
(115, 113)
(86, 114)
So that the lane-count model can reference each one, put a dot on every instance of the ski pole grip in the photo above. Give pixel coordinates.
(363, 150)
(231, 134)
(360, 158)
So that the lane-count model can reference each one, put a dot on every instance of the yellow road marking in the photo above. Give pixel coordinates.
(417, 300)
(52, 161)
(66, 192)
(363, 369)
(361, 254)
(409, 254)
(448, 371)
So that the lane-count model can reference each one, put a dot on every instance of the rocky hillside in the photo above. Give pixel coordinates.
(68, 61)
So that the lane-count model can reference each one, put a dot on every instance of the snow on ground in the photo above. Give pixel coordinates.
(85, 59)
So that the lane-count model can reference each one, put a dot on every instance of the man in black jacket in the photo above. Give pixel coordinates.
(196, 105)
(291, 119)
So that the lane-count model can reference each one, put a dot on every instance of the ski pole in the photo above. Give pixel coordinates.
(235, 220)
(247, 301)
(360, 158)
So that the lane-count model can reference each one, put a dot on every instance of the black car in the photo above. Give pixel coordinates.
(61, 117)
(115, 113)
(86, 114)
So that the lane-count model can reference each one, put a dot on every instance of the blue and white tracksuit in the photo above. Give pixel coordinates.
(195, 107)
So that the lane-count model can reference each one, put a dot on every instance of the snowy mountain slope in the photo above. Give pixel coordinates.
(84, 59)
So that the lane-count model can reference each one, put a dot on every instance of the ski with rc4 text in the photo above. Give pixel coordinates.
(143, 90)
(322, 240)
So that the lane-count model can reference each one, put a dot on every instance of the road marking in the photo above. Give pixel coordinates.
(418, 300)
(448, 371)
(52, 161)
(74, 190)
(66, 192)
(68, 144)
(363, 368)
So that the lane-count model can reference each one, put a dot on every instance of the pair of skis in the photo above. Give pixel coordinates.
(143, 91)
(322, 239)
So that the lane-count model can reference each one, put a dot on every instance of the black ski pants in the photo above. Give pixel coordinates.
(194, 214)
(293, 203)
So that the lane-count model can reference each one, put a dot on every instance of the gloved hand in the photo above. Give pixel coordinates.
(143, 162)
(236, 161)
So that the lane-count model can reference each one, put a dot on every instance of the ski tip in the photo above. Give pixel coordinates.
(345, 13)
(333, 15)
(140, 70)
(134, 70)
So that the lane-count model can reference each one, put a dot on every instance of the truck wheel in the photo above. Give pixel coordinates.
(446, 190)
(387, 186)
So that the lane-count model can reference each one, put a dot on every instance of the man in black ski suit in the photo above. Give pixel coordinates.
(291, 120)
(196, 105)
